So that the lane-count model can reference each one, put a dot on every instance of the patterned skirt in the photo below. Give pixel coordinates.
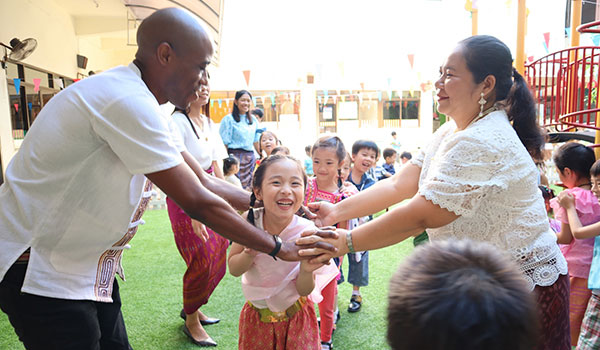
(247, 166)
(553, 310)
(205, 260)
(301, 332)
(589, 339)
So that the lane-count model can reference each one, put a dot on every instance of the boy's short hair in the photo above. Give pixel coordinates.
(393, 133)
(360, 144)
(257, 112)
(388, 152)
(460, 295)
(406, 155)
(307, 148)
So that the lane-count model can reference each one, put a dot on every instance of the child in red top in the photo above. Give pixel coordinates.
(328, 155)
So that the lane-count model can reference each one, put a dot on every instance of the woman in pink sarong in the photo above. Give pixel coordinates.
(279, 313)
(203, 250)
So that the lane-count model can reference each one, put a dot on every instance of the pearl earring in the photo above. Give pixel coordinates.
(482, 102)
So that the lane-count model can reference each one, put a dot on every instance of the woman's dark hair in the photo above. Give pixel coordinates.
(277, 142)
(575, 156)
(259, 176)
(229, 162)
(235, 113)
(486, 55)
(595, 169)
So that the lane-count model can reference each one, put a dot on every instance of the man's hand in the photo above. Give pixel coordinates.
(318, 255)
(304, 212)
(325, 213)
(289, 250)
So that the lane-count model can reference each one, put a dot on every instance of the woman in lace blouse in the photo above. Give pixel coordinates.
(476, 179)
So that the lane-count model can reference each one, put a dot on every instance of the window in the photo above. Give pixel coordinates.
(410, 104)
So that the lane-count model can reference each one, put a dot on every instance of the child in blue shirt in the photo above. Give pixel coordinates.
(389, 155)
(364, 156)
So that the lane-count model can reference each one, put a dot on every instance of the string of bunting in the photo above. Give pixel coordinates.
(272, 100)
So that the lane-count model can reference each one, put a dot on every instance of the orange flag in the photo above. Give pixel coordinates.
(247, 77)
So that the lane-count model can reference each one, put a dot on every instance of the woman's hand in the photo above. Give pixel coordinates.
(200, 230)
(566, 200)
(325, 212)
(319, 255)
(289, 249)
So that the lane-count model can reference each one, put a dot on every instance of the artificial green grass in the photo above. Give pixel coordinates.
(152, 297)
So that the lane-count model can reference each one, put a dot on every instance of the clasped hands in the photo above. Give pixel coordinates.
(326, 242)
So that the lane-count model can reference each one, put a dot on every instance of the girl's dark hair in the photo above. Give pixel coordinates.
(340, 151)
(486, 55)
(576, 157)
(595, 169)
(235, 113)
(331, 142)
(277, 142)
(259, 176)
(229, 162)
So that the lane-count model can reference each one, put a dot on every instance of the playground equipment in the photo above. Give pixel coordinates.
(565, 86)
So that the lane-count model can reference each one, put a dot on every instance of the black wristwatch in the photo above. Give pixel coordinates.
(277, 248)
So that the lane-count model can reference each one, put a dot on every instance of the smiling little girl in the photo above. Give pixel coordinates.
(279, 312)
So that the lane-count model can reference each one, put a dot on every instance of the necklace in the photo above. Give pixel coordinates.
(480, 116)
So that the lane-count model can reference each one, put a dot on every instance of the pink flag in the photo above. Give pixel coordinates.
(16, 107)
(411, 60)
(547, 39)
(36, 84)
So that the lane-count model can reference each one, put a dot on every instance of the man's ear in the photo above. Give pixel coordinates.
(164, 53)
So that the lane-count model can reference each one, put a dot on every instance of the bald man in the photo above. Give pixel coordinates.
(75, 191)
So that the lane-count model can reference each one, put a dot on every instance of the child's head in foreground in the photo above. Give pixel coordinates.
(460, 296)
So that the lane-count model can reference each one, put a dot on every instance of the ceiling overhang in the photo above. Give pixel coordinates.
(209, 12)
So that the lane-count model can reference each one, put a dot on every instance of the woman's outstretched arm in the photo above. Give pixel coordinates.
(390, 228)
(404, 184)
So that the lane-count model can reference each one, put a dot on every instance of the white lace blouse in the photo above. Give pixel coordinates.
(486, 176)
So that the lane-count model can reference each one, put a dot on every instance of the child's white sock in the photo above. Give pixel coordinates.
(355, 292)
